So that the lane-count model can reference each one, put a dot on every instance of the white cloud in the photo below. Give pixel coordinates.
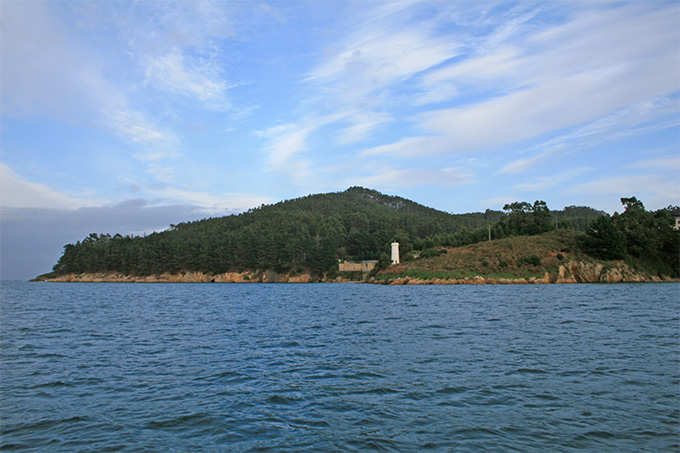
(362, 125)
(209, 204)
(557, 79)
(284, 141)
(508, 26)
(44, 69)
(635, 119)
(155, 146)
(414, 147)
(446, 83)
(170, 72)
(528, 163)
(361, 74)
(134, 126)
(18, 193)
(542, 183)
(659, 163)
(155, 27)
(628, 185)
(372, 59)
(445, 177)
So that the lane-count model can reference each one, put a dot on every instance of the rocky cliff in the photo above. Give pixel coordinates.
(571, 272)
(188, 277)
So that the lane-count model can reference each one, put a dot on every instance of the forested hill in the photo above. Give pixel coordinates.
(359, 198)
(308, 234)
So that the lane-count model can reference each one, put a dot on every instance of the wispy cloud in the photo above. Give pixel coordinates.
(46, 71)
(284, 141)
(210, 204)
(362, 124)
(444, 177)
(201, 80)
(44, 74)
(373, 59)
(552, 80)
(155, 147)
(134, 126)
(664, 163)
(636, 119)
(540, 184)
(359, 74)
(628, 185)
(16, 192)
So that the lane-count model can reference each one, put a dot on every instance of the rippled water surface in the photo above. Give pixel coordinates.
(318, 367)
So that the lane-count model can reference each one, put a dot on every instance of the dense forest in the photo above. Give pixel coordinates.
(310, 234)
(648, 238)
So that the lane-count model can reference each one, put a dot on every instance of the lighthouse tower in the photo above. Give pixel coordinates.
(395, 253)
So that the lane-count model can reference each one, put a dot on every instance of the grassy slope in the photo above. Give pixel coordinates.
(503, 258)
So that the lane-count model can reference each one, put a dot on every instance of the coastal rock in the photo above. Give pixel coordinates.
(571, 272)
(580, 272)
(186, 277)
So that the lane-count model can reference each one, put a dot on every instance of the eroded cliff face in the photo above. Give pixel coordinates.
(571, 272)
(579, 272)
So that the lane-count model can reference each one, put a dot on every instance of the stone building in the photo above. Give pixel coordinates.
(364, 266)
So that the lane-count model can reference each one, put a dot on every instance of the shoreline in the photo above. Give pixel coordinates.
(570, 273)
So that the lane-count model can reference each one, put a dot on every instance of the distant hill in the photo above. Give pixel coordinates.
(308, 234)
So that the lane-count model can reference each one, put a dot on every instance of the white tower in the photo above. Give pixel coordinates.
(395, 253)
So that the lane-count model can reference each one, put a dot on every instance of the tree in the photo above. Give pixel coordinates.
(639, 227)
(604, 240)
(647, 237)
(523, 218)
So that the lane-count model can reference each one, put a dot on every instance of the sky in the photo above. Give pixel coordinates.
(125, 117)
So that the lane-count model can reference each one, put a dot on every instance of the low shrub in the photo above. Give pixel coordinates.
(532, 260)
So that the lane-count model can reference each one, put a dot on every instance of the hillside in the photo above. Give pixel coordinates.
(553, 257)
(308, 235)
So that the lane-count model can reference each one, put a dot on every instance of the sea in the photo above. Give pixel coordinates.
(134, 367)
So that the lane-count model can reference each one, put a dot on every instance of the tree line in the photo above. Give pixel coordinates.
(309, 234)
(637, 234)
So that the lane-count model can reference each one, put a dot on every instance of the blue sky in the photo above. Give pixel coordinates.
(128, 116)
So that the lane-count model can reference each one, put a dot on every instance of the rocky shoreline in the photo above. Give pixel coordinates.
(572, 272)
(186, 277)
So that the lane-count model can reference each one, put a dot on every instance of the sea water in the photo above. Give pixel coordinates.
(339, 367)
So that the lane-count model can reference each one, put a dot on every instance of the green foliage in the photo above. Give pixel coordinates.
(532, 260)
(383, 263)
(525, 219)
(429, 253)
(421, 274)
(604, 240)
(309, 234)
(646, 237)
(576, 217)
